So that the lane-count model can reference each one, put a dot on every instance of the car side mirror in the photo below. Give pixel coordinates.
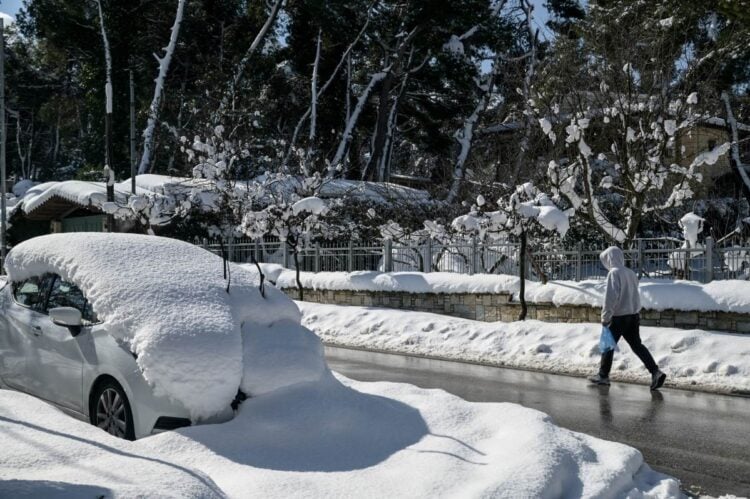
(67, 317)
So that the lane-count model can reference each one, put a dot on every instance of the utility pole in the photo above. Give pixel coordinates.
(108, 154)
(3, 186)
(132, 133)
(108, 167)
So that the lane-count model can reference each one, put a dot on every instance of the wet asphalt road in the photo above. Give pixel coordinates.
(702, 439)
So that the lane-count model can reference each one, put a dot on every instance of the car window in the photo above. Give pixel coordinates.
(66, 294)
(30, 293)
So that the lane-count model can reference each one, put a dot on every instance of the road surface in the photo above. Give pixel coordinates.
(702, 439)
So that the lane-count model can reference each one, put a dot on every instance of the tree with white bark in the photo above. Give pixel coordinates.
(164, 62)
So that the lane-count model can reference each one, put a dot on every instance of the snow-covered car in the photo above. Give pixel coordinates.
(136, 334)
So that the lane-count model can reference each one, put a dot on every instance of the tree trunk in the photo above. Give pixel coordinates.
(153, 115)
(734, 156)
(352, 122)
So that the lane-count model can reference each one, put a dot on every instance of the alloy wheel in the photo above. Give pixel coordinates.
(110, 413)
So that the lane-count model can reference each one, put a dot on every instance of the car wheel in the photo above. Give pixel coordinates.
(111, 411)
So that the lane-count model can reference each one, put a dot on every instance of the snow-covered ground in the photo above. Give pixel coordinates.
(725, 296)
(692, 359)
(330, 438)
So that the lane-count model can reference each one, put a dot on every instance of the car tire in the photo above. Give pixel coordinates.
(110, 410)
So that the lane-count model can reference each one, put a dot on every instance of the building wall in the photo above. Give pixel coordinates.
(499, 307)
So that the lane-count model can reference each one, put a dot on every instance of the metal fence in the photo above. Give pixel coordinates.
(658, 258)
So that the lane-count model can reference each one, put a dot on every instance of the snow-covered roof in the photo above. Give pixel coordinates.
(166, 301)
(94, 194)
(378, 192)
(85, 194)
(151, 182)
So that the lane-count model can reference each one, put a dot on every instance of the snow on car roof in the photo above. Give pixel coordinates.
(166, 301)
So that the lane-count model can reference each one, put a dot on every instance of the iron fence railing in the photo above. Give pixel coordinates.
(663, 258)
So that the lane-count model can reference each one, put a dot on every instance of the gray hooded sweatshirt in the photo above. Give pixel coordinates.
(621, 296)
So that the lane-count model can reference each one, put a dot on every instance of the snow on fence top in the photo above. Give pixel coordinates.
(717, 296)
(166, 301)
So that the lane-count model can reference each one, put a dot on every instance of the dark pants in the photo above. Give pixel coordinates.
(628, 327)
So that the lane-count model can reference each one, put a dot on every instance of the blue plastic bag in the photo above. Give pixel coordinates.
(607, 340)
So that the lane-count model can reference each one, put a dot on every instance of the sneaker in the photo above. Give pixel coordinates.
(599, 379)
(657, 380)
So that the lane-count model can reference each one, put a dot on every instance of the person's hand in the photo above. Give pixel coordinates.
(606, 324)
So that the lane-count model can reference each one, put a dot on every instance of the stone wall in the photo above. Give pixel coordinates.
(492, 307)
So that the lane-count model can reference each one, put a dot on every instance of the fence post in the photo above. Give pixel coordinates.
(387, 255)
(578, 261)
(350, 257)
(427, 262)
(285, 253)
(640, 258)
(474, 255)
(317, 258)
(709, 259)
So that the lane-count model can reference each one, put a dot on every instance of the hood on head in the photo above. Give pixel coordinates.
(612, 258)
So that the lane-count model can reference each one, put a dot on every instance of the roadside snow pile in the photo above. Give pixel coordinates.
(166, 301)
(48, 454)
(691, 359)
(331, 438)
(394, 440)
(725, 296)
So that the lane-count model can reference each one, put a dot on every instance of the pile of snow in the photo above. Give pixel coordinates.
(716, 296)
(397, 440)
(48, 454)
(709, 360)
(166, 301)
(331, 438)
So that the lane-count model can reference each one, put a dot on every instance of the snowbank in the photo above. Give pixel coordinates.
(331, 438)
(724, 296)
(396, 440)
(692, 359)
(166, 301)
(48, 454)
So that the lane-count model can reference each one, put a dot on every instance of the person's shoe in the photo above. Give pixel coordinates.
(657, 380)
(599, 379)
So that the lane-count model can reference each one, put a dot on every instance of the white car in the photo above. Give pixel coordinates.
(53, 346)
(140, 334)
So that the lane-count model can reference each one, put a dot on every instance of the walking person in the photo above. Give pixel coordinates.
(621, 314)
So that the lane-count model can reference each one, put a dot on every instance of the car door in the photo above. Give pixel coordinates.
(60, 360)
(22, 308)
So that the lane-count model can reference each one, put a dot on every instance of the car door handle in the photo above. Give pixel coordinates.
(36, 330)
